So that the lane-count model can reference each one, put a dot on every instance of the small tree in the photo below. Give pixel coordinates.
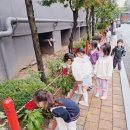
(75, 5)
(31, 19)
(90, 6)
(107, 11)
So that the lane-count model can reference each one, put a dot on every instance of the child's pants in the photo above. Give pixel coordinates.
(115, 62)
(102, 84)
(62, 125)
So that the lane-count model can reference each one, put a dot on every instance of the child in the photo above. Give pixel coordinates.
(103, 71)
(81, 53)
(118, 52)
(94, 55)
(98, 39)
(81, 70)
(65, 111)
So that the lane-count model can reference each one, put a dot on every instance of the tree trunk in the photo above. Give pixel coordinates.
(93, 20)
(75, 18)
(31, 20)
(88, 24)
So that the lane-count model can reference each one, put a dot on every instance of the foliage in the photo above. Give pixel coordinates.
(2, 115)
(74, 4)
(107, 11)
(127, 5)
(47, 114)
(81, 43)
(95, 3)
(33, 119)
(102, 25)
(20, 90)
(54, 66)
(66, 83)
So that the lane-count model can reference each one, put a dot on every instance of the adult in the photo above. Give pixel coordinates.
(113, 31)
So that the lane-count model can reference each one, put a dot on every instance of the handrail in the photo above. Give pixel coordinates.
(11, 20)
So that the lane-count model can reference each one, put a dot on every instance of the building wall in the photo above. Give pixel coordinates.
(17, 50)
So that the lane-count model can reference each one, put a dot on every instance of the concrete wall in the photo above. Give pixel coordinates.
(17, 51)
(65, 35)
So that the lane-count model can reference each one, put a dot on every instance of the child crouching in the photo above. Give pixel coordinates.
(65, 111)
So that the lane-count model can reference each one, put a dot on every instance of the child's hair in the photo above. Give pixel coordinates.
(45, 96)
(94, 44)
(106, 48)
(80, 50)
(97, 38)
(68, 56)
(120, 40)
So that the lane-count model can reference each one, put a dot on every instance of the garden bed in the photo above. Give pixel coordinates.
(25, 84)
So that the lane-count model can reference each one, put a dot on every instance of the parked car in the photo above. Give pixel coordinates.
(118, 23)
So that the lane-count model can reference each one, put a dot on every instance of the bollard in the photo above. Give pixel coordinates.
(86, 47)
(11, 114)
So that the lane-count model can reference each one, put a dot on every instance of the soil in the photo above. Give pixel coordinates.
(23, 73)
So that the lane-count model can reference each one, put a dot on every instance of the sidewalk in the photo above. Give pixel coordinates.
(104, 115)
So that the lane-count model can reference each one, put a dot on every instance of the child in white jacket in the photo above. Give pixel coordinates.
(82, 72)
(103, 71)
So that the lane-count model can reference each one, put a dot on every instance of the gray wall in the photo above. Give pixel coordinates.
(17, 51)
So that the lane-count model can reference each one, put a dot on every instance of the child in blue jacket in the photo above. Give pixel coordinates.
(64, 110)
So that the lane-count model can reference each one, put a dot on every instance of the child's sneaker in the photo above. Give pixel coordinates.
(97, 92)
(83, 103)
(104, 96)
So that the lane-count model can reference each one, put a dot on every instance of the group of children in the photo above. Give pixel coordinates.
(97, 66)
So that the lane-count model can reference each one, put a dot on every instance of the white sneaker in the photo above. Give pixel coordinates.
(83, 103)
(104, 96)
(78, 92)
(97, 95)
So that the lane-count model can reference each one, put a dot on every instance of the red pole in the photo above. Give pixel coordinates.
(11, 114)
(86, 46)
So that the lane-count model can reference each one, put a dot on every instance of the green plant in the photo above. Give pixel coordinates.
(81, 43)
(21, 90)
(47, 114)
(102, 25)
(2, 116)
(54, 66)
(33, 119)
(66, 83)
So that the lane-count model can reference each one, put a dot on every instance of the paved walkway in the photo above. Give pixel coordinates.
(104, 115)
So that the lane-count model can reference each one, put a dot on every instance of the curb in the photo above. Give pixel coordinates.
(126, 93)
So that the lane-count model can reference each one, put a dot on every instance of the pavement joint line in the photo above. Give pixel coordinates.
(126, 93)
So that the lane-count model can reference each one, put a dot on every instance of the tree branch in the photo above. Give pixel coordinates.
(71, 5)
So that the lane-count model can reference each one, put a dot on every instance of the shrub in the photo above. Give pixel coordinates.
(102, 25)
(54, 66)
(66, 84)
(21, 90)
(81, 43)
(33, 119)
